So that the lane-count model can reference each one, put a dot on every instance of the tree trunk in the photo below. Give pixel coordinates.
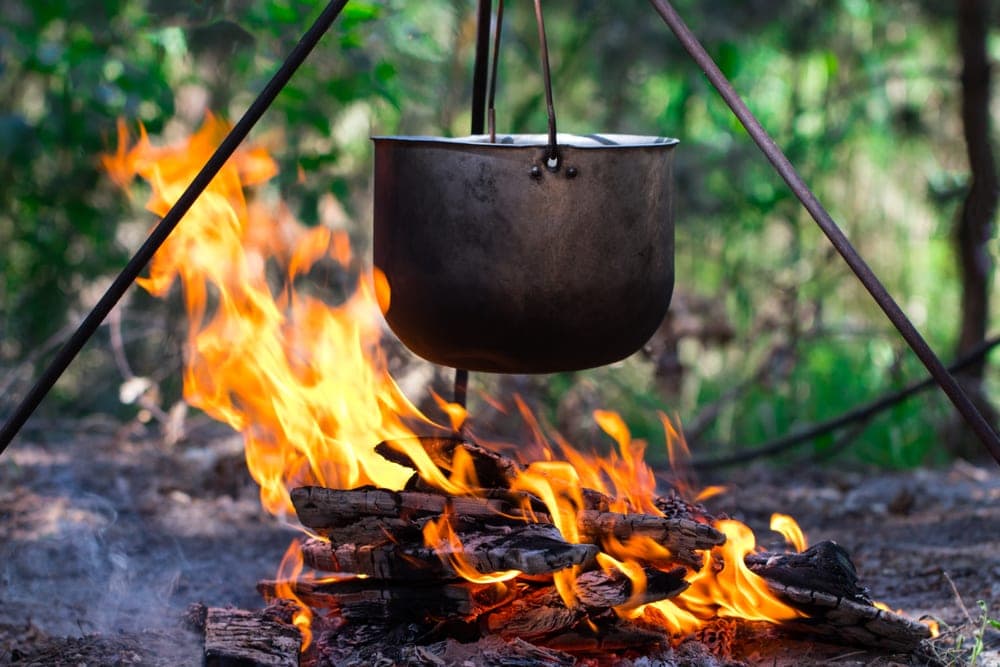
(975, 225)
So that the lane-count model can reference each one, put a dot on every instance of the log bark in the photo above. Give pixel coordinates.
(823, 583)
(325, 510)
(238, 638)
(682, 537)
(824, 567)
(341, 515)
(540, 613)
(850, 622)
(529, 548)
(491, 470)
(373, 602)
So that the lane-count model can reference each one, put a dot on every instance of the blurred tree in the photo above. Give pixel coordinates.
(974, 228)
(769, 330)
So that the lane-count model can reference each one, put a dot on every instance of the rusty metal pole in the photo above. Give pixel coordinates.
(784, 167)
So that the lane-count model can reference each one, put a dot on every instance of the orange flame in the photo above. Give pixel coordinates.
(307, 385)
(304, 382)
(288, 573)
(789, 529)
(440, 535)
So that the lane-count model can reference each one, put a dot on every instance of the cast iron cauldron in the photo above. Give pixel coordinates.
(508, 257)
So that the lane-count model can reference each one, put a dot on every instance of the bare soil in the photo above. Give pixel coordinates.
(107, 536)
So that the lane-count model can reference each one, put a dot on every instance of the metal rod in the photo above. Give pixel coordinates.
(491, 116)
(114, 293)
(784, 167)
(481, 66)
(461, 386)
(479, 79)
(549, 106)
(855, 416)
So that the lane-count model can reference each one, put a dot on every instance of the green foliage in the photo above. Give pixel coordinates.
(985, 621)
(860, 94)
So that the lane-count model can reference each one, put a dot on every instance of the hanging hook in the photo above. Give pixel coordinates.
(491, 106)
(552, 162)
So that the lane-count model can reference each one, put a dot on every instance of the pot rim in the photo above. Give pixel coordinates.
(508, 141)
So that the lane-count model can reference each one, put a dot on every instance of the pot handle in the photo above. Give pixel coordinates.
(552, 154)
(552, 162)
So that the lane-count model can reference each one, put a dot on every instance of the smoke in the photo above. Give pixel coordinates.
(105, 534)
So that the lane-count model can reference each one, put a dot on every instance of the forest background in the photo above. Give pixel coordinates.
(884, 107)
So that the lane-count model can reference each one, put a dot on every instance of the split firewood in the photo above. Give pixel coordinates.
(366, 601)
(824, 567)
(331, 511)
(602, 590)
(234, 637)
(325, 510)
(492, 470)
(682, 537)
(542, 613)
(529, 548)
(822, 582)
(849, 621)
(496, 471)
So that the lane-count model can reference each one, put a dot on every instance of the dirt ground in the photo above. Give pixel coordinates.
(106, 537)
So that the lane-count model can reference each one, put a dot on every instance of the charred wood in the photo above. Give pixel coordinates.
(541, 613)
(530, 548)
(487, 652)
(824, 567)
(345, 517)
(238, 638)
(823, 583)
(365, 601)
(682, 537)
(491, 470)
(849, 621)
(325, 510)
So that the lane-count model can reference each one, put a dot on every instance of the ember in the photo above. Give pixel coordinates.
(570, 551)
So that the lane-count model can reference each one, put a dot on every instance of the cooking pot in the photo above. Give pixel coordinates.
(520, 256)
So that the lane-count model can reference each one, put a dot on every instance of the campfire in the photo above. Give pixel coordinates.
(426, 536)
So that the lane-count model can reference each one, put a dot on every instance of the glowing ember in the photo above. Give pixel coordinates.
(307, 385)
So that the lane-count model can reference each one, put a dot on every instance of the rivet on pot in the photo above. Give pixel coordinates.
(536, 172)
(571, 172)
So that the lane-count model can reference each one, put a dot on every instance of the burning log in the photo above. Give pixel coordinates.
(541, 613)
(345, 517)
(238, 637)
(365, 601)
(327, 510)
(824, 567)
(823, 583)
(683, 537)
(492, 470)
(530, 548)
(850, 621)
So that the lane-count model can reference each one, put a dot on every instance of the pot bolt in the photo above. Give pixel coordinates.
(536, 172)
(571, 172)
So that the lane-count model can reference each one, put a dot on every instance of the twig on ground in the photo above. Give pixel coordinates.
(958, 597)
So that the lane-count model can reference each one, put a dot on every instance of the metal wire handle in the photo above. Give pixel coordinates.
(491, 116)
(553, 159)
